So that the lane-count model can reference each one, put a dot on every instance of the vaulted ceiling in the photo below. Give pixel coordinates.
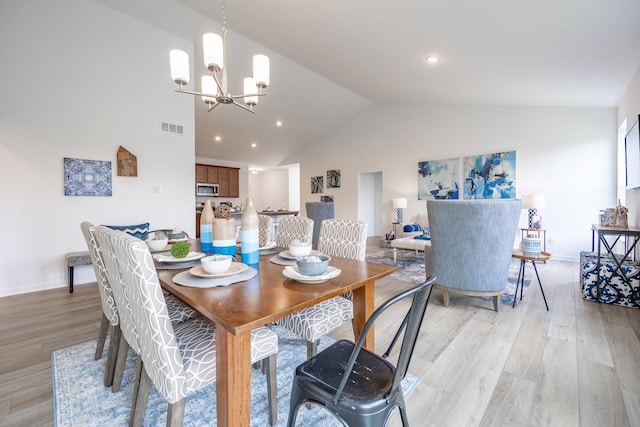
(331, 59)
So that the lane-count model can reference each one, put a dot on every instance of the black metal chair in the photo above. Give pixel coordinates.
(372, 389)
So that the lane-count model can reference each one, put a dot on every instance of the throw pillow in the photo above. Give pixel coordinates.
(409, 228)
(138, 230)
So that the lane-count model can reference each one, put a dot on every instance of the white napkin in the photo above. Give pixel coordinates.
(170, 258)
(329, 274)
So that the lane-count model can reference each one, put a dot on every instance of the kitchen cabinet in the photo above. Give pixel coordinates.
(226, 177)
(234, 183)
(207, 174)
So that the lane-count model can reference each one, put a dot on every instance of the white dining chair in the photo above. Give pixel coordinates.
(177, 359)
(265, 229)
(341, 238)
(292, 228)
(118, 349)
(109, 323)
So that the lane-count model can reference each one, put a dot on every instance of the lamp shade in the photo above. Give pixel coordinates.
(261, 70)
(249, 88)
(400, 203)
(533, 201)
(213, 51)
(209, 87)
(179, 60)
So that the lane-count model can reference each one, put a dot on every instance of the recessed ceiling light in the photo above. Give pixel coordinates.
(254, 145)
(218, 138)
(432, 59)
(279, 123)
(253, 171)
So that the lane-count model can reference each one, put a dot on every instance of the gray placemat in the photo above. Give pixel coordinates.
(282, 261)
(274, 250)
(175, 265)
(187, 279)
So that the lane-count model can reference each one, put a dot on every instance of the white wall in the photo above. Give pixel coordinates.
(568, 154)
(270, 189)
(629, 110)
(80, 79)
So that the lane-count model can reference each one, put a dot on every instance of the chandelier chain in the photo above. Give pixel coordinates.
(224, 15)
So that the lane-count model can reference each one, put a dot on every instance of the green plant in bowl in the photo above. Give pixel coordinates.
(180, 249)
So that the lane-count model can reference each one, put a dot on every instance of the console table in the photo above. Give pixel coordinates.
(616, 233)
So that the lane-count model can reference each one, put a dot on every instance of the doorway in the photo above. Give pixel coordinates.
(370, 202)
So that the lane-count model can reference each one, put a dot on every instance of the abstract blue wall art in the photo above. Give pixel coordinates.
(490, 176)
(87, 177)
(438, 179)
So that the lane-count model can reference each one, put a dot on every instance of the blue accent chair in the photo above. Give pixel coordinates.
(471, 245)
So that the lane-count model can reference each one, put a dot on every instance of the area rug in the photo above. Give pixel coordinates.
(80, 398)
(411, 270)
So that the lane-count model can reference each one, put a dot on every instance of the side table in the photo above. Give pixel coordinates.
(544, 257)
(632, 235)
(395, 224)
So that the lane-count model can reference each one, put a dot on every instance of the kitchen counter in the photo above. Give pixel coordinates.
(270, 213)
(237, 216)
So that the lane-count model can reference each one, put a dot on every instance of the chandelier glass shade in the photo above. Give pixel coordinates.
(214, 85)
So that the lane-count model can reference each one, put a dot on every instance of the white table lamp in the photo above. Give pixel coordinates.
(400, 203)
(533, 202)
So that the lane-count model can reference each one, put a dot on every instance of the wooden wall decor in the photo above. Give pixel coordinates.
(127, 163)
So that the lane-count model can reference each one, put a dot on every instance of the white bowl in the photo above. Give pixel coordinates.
(216, 264)
(300, 250)
(156, 245)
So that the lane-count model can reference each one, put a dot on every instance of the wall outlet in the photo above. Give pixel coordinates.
(157, 188)
(551, 242)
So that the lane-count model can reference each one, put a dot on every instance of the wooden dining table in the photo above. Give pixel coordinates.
(240, 307)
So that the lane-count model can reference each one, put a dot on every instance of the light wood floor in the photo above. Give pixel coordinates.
(576, 365)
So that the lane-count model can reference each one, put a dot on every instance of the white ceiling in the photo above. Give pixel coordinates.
(330, 59)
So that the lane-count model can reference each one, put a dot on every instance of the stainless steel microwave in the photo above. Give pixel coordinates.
(203, 189)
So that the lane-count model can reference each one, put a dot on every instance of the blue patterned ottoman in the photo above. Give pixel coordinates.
(615, 291)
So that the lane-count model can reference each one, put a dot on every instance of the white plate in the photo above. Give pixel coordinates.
(165, 249)
(269, 245)
(191, 256)
(293, 273)
(184, 239)
(287, 254)
(236, 267)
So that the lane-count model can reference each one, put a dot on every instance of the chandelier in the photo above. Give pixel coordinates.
(214, 86)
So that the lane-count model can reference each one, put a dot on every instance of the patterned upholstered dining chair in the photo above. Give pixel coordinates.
(292, 227)
(109, 310)
(178, 311)
(178, 360)
(341, 238)
(265, 229)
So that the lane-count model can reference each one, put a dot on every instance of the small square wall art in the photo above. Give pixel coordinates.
(438, 179)
(490, 176)
(87, 177)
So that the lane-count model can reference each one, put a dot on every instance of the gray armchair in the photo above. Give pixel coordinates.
(471, 245)
(318, 212)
